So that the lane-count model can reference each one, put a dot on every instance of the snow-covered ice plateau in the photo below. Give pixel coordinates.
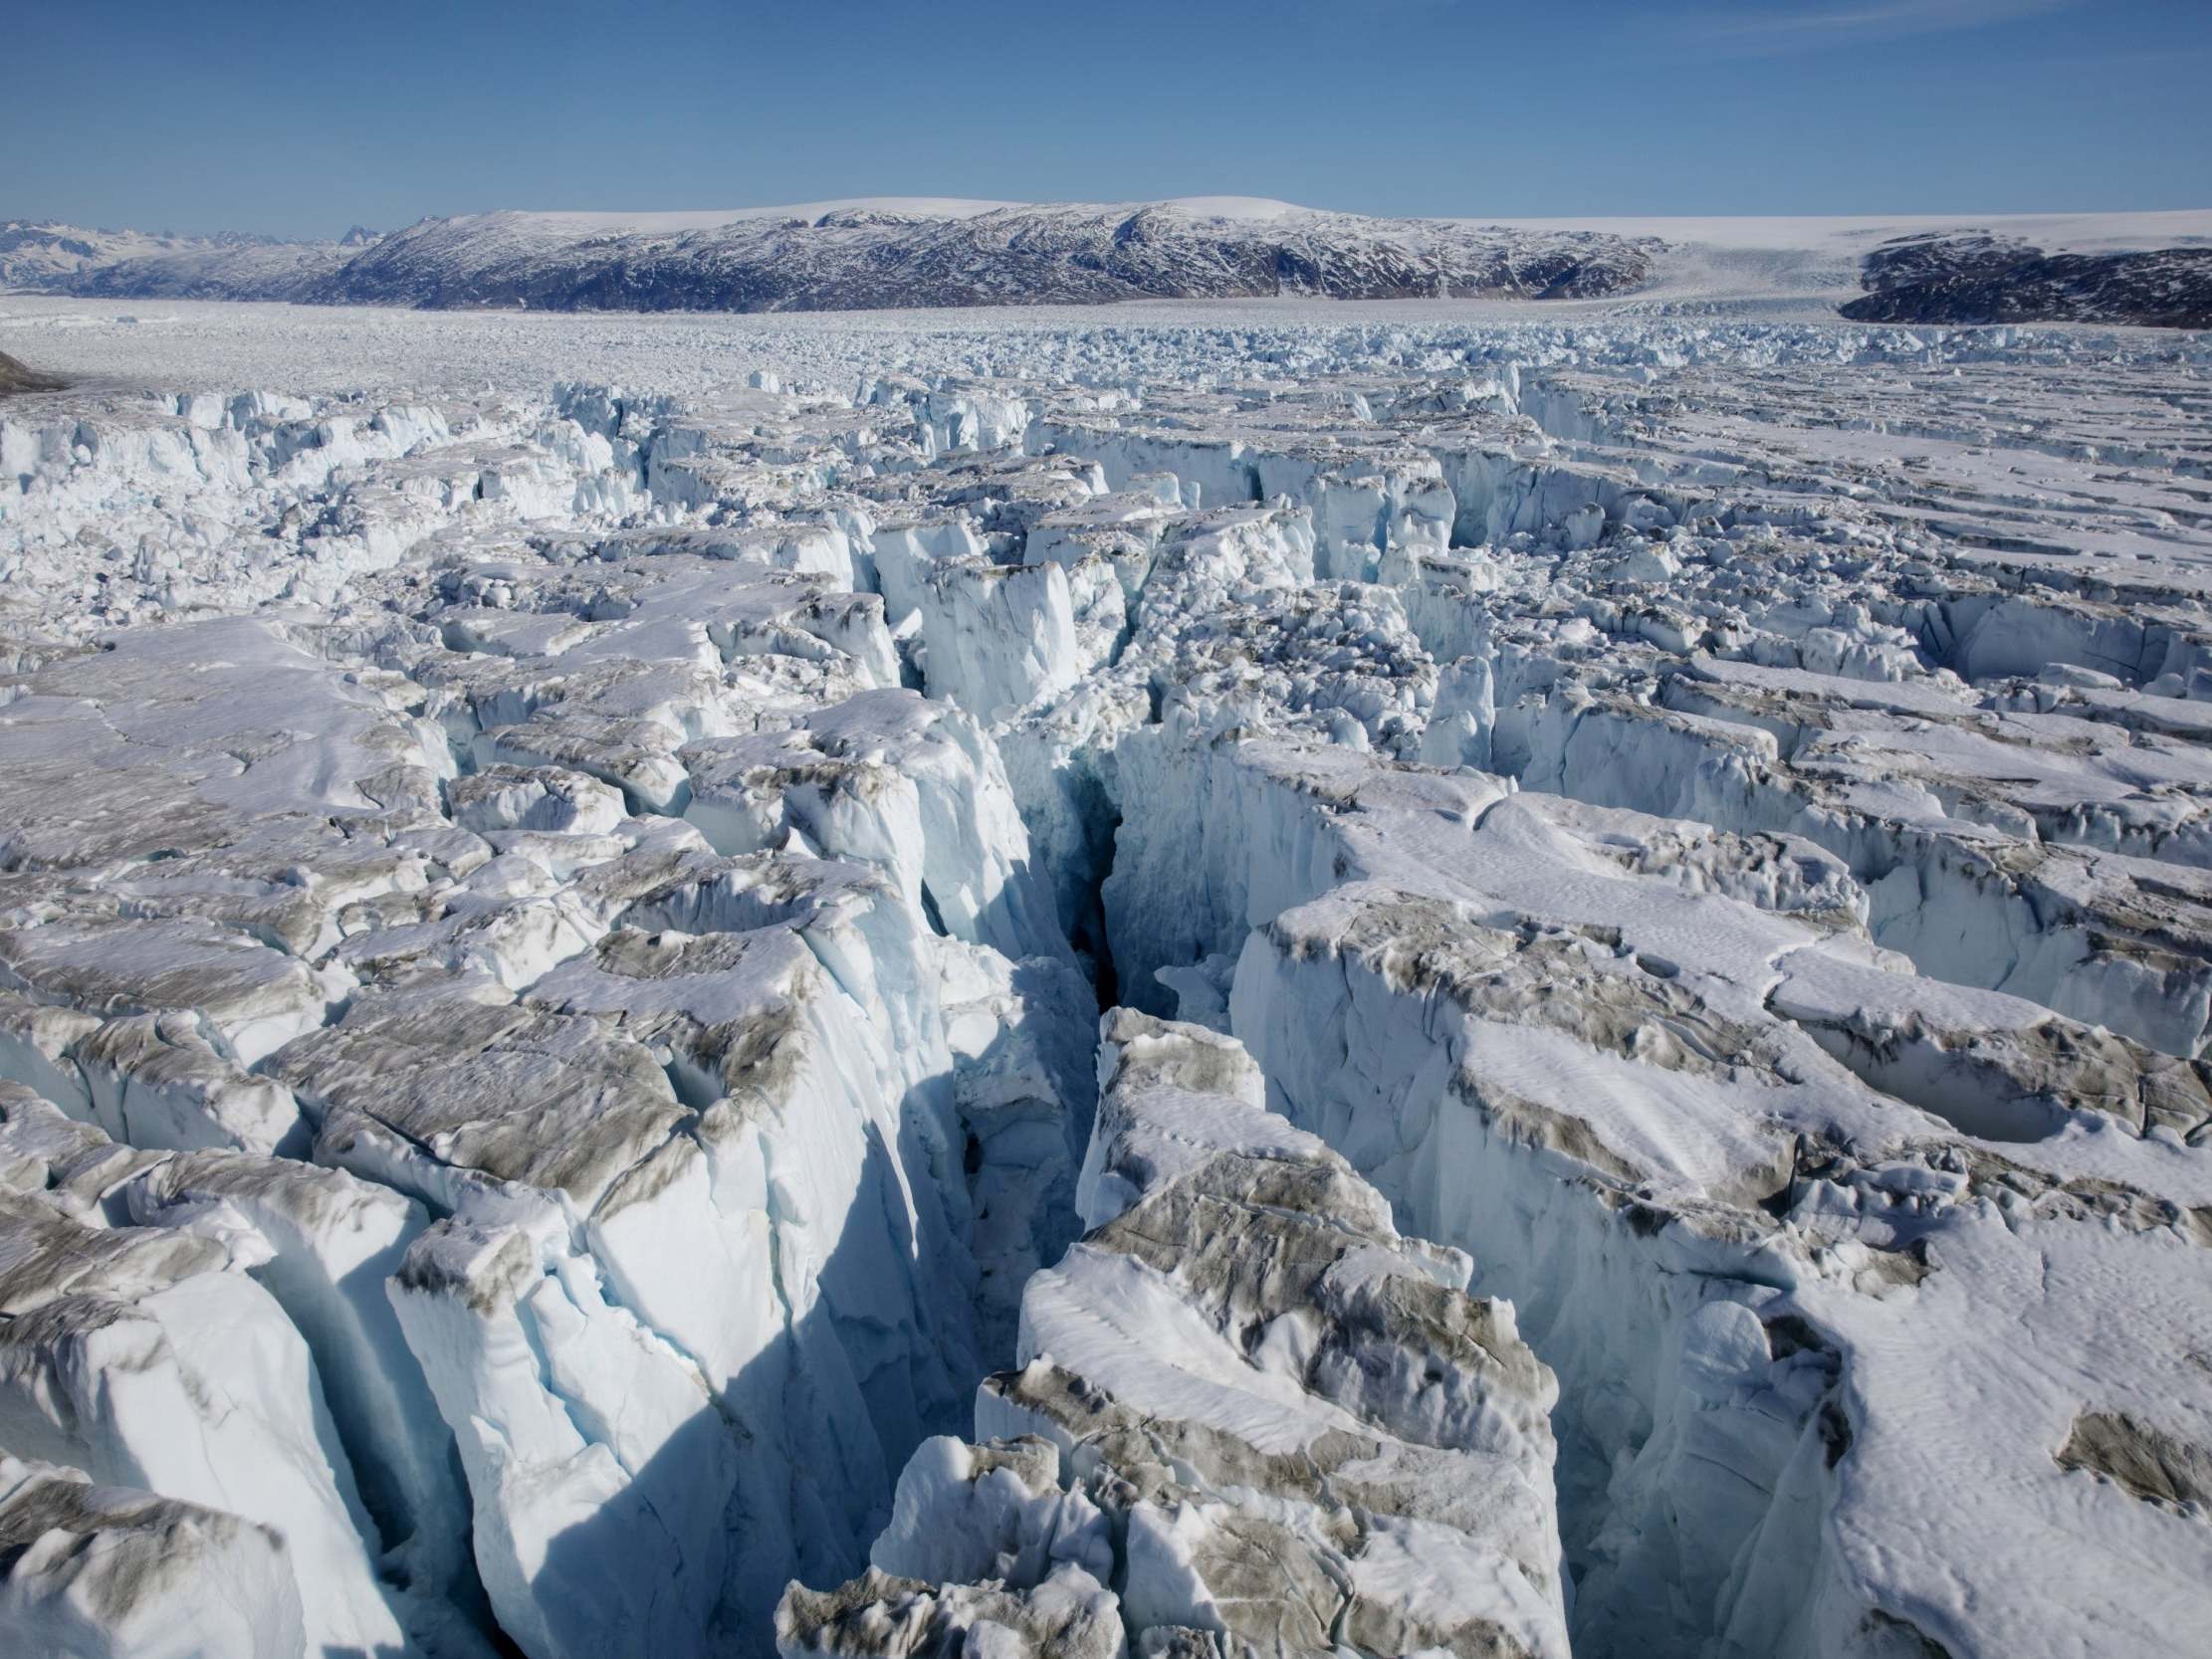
(1233, 980)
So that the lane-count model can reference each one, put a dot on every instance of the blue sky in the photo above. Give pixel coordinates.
(304, 120)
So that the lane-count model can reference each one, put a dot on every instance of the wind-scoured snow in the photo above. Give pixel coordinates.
(1252, 980)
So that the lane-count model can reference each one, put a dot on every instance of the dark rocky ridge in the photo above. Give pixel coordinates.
(1979, 278)
(15, 377)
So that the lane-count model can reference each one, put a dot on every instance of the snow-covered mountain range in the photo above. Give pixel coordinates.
(854, 255)
(909, 251)
(69, 259)
(869, 255)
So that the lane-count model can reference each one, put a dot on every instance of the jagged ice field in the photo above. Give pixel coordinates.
(1248, 979)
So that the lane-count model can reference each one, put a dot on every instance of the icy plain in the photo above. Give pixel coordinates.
(1234, 979)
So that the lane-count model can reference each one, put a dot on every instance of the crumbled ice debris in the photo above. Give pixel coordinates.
(1652, 877)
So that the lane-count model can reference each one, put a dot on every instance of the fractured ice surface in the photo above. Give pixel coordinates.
(147, 1356)
(1279, 1426)
(1653, 880)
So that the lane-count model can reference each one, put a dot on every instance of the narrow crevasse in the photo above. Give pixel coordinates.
(1248, 1415)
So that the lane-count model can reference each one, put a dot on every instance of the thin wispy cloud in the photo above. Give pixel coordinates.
(1787, 28)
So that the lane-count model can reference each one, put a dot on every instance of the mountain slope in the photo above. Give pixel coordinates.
(867, 256)
(1976, 277)
(17, 377)
(70, 259)
(840, 256)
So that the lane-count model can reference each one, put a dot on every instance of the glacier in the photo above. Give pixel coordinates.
(1233, 980)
